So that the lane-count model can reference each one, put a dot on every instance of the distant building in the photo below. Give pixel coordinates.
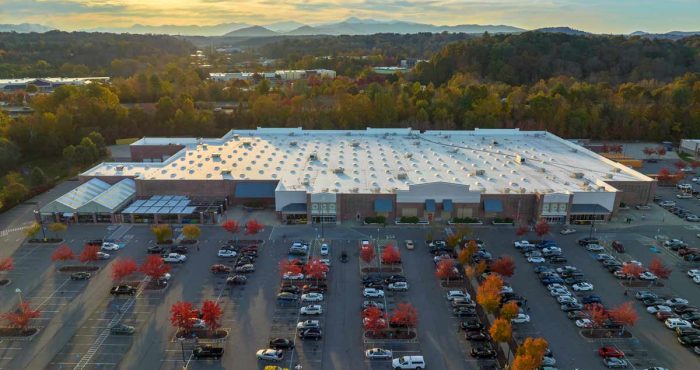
(390, 70)
(690, 146)
(285, 75)
(46, 84)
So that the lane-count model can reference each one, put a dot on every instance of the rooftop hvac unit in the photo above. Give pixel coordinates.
(506, 190)
(339, 170)
(409, 155)
(355, 144)
(236, 136)
(574, 150)
(291, 134)
(523, 190)
(355, 190)
(204, 146)
(519, 159)
(313, 156)
(376, 190)
(226, 172)
(577, 175)
(416, 143)
(119, 168)
(292, 143)
(402, 176)
(479, 172)
(216, 156)
(616, 170)
(541, 169)
(453, 150)
(305, 181)
(608, 176)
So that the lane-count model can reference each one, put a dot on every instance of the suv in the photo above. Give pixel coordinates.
(122, 289)
(408, 362)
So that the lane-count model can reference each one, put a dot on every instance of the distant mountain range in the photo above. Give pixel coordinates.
(349, 26)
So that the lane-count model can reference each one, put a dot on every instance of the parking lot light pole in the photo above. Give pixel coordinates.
(19, 294)
(182, 347)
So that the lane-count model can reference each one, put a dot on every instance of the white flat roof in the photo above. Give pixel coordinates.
(384, 160)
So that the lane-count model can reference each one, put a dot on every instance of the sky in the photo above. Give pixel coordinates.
(599, 16)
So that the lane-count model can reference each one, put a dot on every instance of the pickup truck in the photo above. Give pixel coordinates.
(208, 352)
(174, 258)
(523, 244)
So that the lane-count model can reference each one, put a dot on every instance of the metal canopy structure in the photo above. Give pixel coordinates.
(72, 201)
(162, 205)
(112, 199)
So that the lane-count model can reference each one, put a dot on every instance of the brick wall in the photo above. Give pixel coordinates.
(204, 189)
(635, 192)
(141, 152)
(349, 205)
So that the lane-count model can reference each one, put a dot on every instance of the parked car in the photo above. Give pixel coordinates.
(643, 294)
(408, 362)
(463, 311)
(208, 351)
(520, 318)
(582, 287)
(313, 309)
(248, 267)
(226, 253)
(122, 290)
(399, 286)
(372, 293)
(689, 340)
(477, 336)
(180, 249)
(155, 249)
(378, 354)
(312, 333)
(312, 297)
(594, 248)
(614, 363)
(102, 256)
(286, 297)
(325, 250)
(482, 352)
(368, 304)
(610, 351)
(676, 301)
(618, 246)
(122, 329)
(270, 354)
(676, 323)
(80, 275)
(659, 308)
(589, 240)
(236, 280)
(471, 324)
(457, 294)
(394, 279)
(567, 231)
(174, 258)
(292, 276)
(281, 343)
(220, 269)
(107, 246)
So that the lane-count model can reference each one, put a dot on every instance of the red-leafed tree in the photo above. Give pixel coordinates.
(404, 316)
(664, 174)
(445, 269)
(315, 269)
(596, 313)
(391, 255)
(661, 151)
(231, 226)
(211, 314)
(522, 230)
(123, 267)
(155, 268)
(374, 320)
(625, 314)
(291, 267)
(659, 269)
(504, 266)
(7, 264)
(181, 315)
(62, 253)
(367, 253)
(253, 227)
(695, 164)
(89, 253)
(21, 317)
(648, 151)
(632, 270)
(541, 228)
(679, 164)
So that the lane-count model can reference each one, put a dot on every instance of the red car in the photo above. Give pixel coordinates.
(610, 351)
(663, 315)
(220, 269)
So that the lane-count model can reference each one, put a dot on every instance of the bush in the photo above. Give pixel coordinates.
(409, 220)
(464, 220)
(505, 220)
(254, 204)
(375, 220)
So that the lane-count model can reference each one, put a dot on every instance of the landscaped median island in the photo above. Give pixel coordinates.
(383, 289)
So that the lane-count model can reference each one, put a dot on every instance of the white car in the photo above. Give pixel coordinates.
(675, 301)
(603, 256)
(506, 289)
(566, 299)
(673, 323)
(584, 323)
(632, 262)
(270, 354)
(174, 258)
(520, 319)
(290, 276)
(646, 275)
(696, 279)
(198, 323)
(582, 287)
(594, 248)
(684, 196)
(325, 261)
(312, 297)
(674, 243)
(227, 253)
(107, 246)
(659, 308)
(378, 354)
(372, 293)
(551, 250)
(324, 249)
(308, 324)
(559, 292)
(313, 309)
(102, 256)
(567, 231)
(556, 286)
(409, 246)
(523, 244)
(535, 259)
(398, 286)
(667, 204)
(457, 294)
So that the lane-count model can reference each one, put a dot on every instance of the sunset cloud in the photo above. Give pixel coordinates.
(614, 16)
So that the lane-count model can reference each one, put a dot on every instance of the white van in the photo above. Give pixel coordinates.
(408, 362)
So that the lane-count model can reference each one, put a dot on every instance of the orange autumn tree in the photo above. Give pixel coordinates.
(89, 253)
(21, 317)
(659, 269)
(625, 314)
(509, 310)
(504, 266)
(501, 330)
(488, 295)
(530, 354)
(391, 255)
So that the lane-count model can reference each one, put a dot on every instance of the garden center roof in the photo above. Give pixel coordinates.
(161, 204)
(76, 198)
(384, 160)
(112, 199)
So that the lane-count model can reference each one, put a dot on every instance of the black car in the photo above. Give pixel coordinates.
(557, 259)
(585, 241)
(689, 340)
(290, 289)
(589, 299)
(245, 260)
(653, 301)
(471, 324)
(281, 343)
(122, 290)
(569, 273)
(483, 352)
(179, 249)
(691, 316)
(477, 336)
(611, 324)
(463, 311)
(208, 351)
(155, 249)
(394, 279)
(312, 333)
(372, 279)
(343, 256)
(684, 308)
(80, 276)
(374, 285)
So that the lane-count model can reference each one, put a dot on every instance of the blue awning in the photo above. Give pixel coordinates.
(255, 189)
(589, 209)
(447, 205)
(296, 208)
(383, 205)
(493, 205)
(430, 205)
